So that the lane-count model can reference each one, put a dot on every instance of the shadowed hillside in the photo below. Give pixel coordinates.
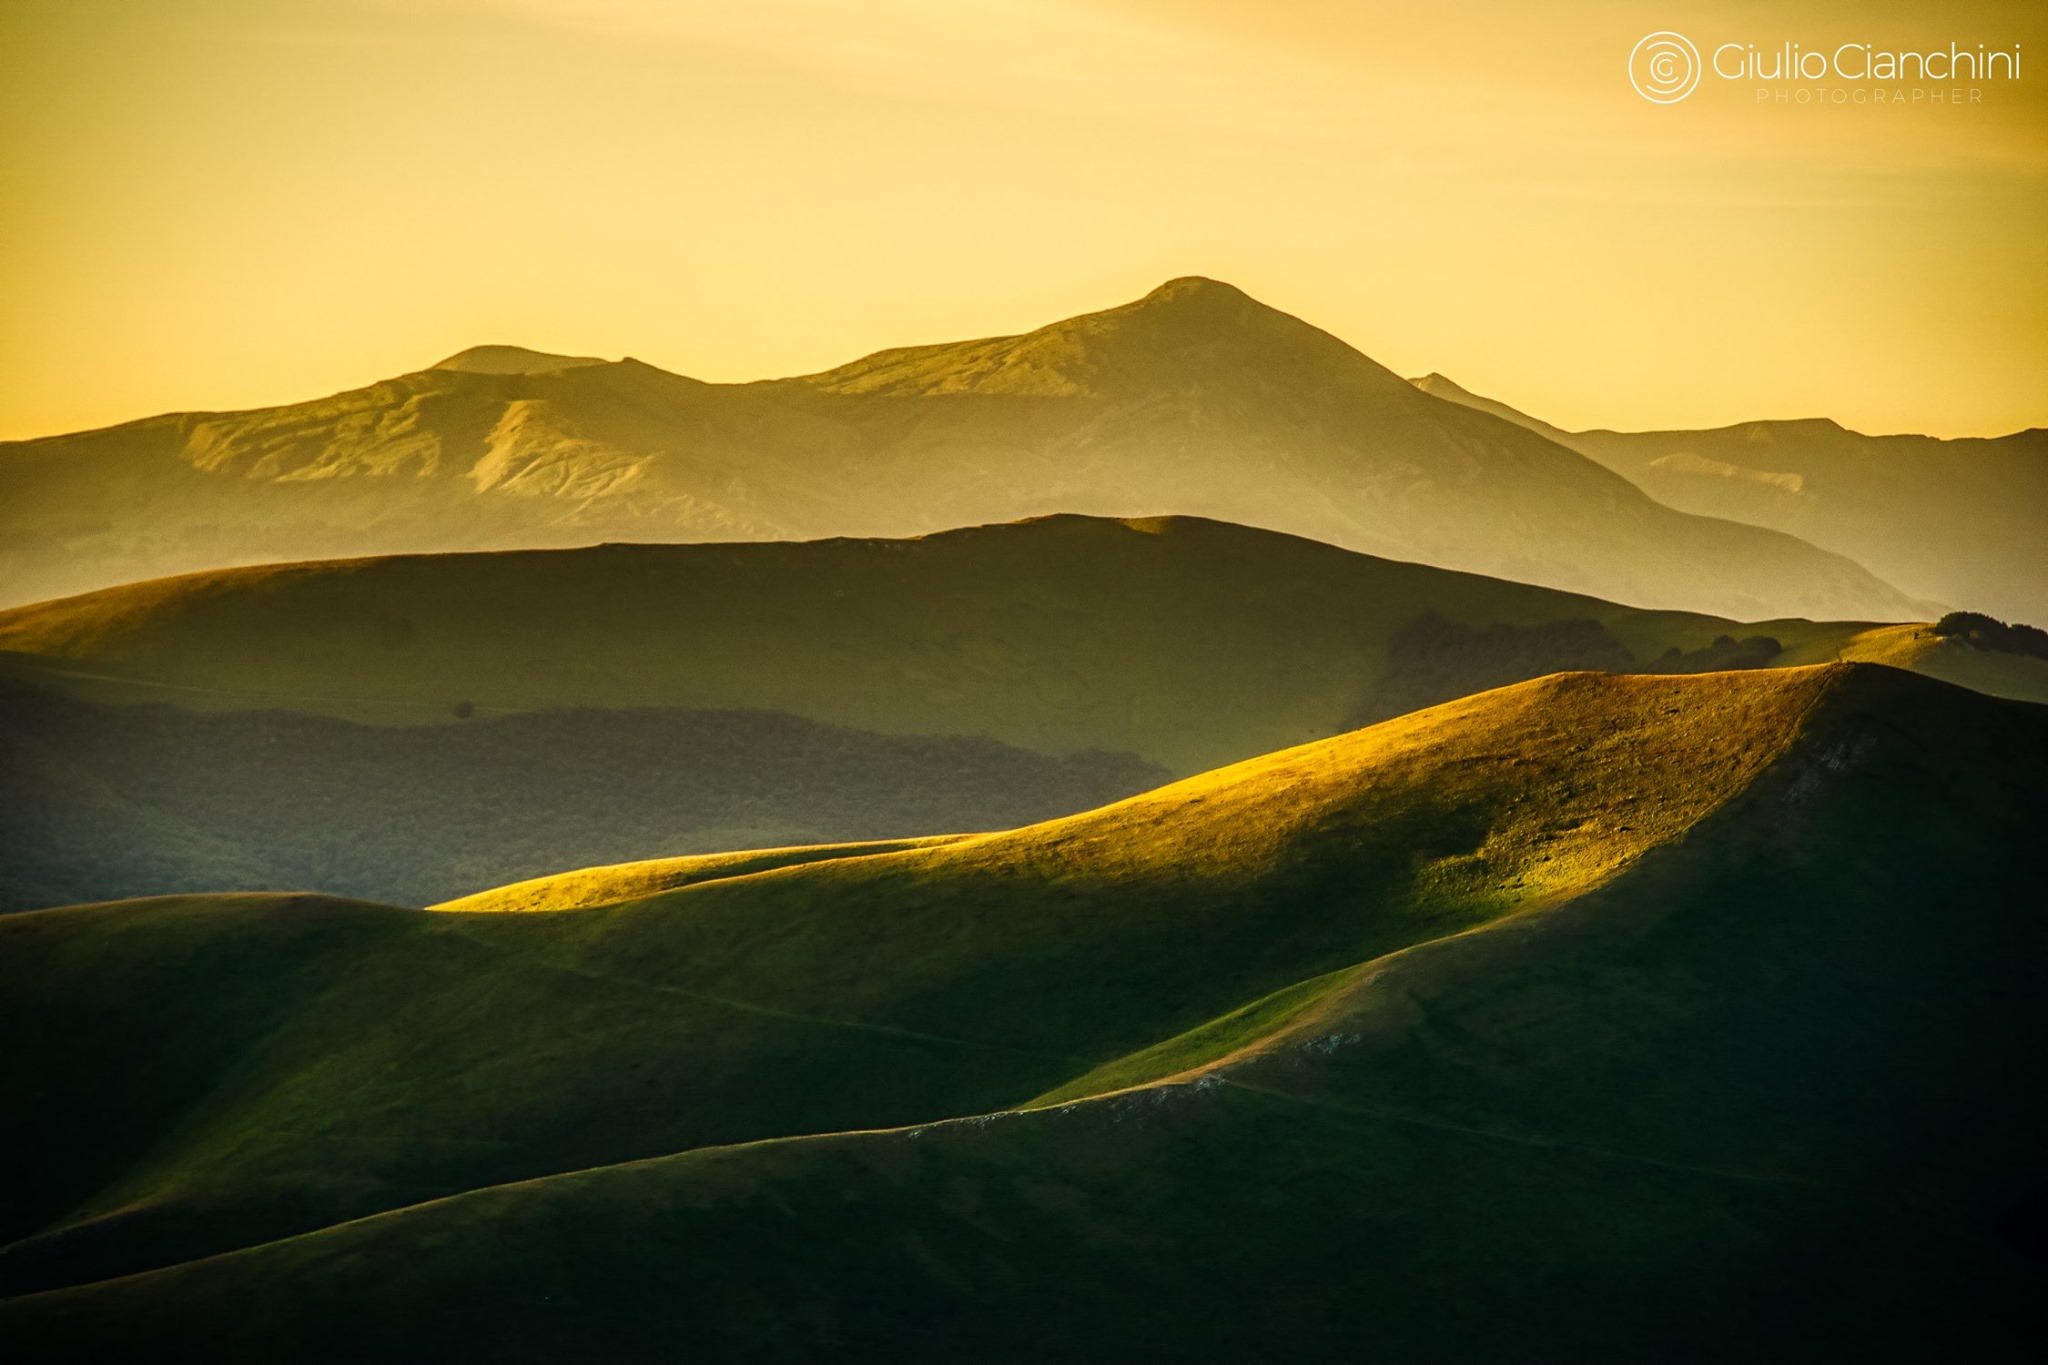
(99, 802)
(1193, 400)
(1958, 521)
(968, 681)
(1667, 1014)
(1190, 643)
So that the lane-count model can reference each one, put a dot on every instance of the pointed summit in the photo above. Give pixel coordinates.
(1190, 334)
(1451, 391)
(1443, 386)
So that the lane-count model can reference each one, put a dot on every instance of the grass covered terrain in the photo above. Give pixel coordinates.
(1633, 1017)
(630, 881)
(1190, 643)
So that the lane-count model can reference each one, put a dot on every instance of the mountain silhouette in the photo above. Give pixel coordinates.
(1958, 521)
(1195, 399)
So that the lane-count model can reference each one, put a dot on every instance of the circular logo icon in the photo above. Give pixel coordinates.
(1664, 67)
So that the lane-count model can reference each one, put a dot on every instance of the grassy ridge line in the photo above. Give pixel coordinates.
(1183, 1057)
(592, 886)
(474, 1049)
(136, 687)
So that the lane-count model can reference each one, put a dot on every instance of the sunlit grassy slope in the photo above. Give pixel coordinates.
(1592, 1006)
(1189, 643)
(603, 885)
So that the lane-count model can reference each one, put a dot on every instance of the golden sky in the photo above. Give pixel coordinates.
(227, 203)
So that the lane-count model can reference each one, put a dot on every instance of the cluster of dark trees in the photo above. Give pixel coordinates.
(1725, 655)
(1432, 660)
(1988, 632)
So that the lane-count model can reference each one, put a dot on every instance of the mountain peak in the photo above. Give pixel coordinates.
(1195, 302)
(1189, 333)
(511, 360)
(1773, 430)
(1196, 289)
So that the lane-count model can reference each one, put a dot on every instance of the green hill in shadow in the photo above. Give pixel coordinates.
(102, 801)
(1190, 643)
(1637, 1017)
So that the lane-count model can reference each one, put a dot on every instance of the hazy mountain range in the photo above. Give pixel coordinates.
(1961, 521)
(1193, 400)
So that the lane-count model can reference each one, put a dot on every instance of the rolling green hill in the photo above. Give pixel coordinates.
(1598, 1017)
(417, 729)
(1193, 400)
(1959, 521)
(1190, 643)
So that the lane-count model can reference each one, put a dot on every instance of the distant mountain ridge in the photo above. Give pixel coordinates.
(1193, 400)
(1962, 521)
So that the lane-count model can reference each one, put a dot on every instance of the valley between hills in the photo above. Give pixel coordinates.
(1152, 838)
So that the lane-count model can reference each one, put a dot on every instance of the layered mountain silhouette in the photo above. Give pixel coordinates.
(1960, 521)
(1153, 838)
(1193, 400)
(1594, 1018)
(415, 728)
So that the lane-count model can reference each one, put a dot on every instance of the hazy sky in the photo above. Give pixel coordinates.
(226, 203)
